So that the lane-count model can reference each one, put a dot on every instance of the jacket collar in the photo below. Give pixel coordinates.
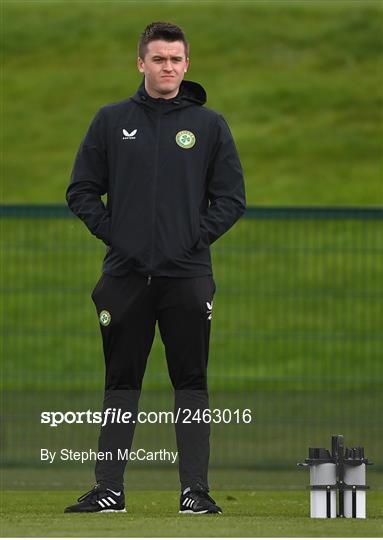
(189, 93)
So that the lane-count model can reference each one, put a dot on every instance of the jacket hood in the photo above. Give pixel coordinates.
(189, 93)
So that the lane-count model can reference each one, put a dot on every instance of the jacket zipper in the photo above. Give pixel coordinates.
(155, 189)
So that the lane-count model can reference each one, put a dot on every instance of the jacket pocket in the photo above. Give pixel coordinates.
(103, 231)
(201, 242)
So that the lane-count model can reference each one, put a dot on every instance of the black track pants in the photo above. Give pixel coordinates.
(128, 308)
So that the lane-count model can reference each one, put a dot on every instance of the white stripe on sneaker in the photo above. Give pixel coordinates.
(111, 510)
(112, 500)
(100, 503)
(192, 512)
(106, 502)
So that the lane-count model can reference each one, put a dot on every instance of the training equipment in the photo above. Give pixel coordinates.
(343, 470)
(99, 500)
(197, 501)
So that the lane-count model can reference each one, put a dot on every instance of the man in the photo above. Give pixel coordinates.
(174, 184)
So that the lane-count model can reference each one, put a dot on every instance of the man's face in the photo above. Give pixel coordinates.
(164, 67)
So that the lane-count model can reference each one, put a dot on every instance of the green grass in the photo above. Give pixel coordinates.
(154, 513)
(69, 477)
(299, 82)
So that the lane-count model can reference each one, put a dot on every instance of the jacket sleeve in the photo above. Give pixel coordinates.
(226, 190)
(89, 180)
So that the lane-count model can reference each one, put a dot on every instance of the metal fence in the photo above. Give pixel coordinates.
(296, 335)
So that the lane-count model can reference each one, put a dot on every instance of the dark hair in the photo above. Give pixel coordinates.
(161, 30)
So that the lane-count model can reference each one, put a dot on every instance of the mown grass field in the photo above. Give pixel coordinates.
(154, 513)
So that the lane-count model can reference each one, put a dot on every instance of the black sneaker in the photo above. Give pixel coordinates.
(99, 500)
(197, 501)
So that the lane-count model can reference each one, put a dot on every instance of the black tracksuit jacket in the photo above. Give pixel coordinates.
(166, 203)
